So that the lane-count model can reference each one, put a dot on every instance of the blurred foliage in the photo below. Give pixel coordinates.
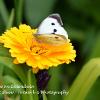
(81, 19)
(85, 80)
(35, 10)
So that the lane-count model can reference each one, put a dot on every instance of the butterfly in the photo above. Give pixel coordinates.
(51, 31)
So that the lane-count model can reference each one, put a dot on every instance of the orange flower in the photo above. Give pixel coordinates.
(24, 47)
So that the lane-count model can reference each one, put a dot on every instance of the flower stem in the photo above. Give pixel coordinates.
(44, 96)
(85, 80)
(31, 81)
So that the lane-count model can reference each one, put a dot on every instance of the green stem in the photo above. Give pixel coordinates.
(54, 82)
(44, 96)
(29, 82)
(85, 80)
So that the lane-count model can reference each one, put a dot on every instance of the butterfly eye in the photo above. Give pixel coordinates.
(55, 30)
(52, 23)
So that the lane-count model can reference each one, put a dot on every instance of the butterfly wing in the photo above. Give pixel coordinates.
(53, 39)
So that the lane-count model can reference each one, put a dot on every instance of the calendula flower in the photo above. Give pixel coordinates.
(24, 48)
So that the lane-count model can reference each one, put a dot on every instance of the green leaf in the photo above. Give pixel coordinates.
(8, 71)
(3, 12)
(19, 11)
(4, 51)
(94, 94)
(11, 19)
(36, 10)
(95, 52)
(84, 81)
(10, 81)
(17, 69)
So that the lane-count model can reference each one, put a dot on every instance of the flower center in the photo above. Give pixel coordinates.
(38, 50)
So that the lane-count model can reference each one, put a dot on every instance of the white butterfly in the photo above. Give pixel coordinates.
(51, 31)
(52, 24)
